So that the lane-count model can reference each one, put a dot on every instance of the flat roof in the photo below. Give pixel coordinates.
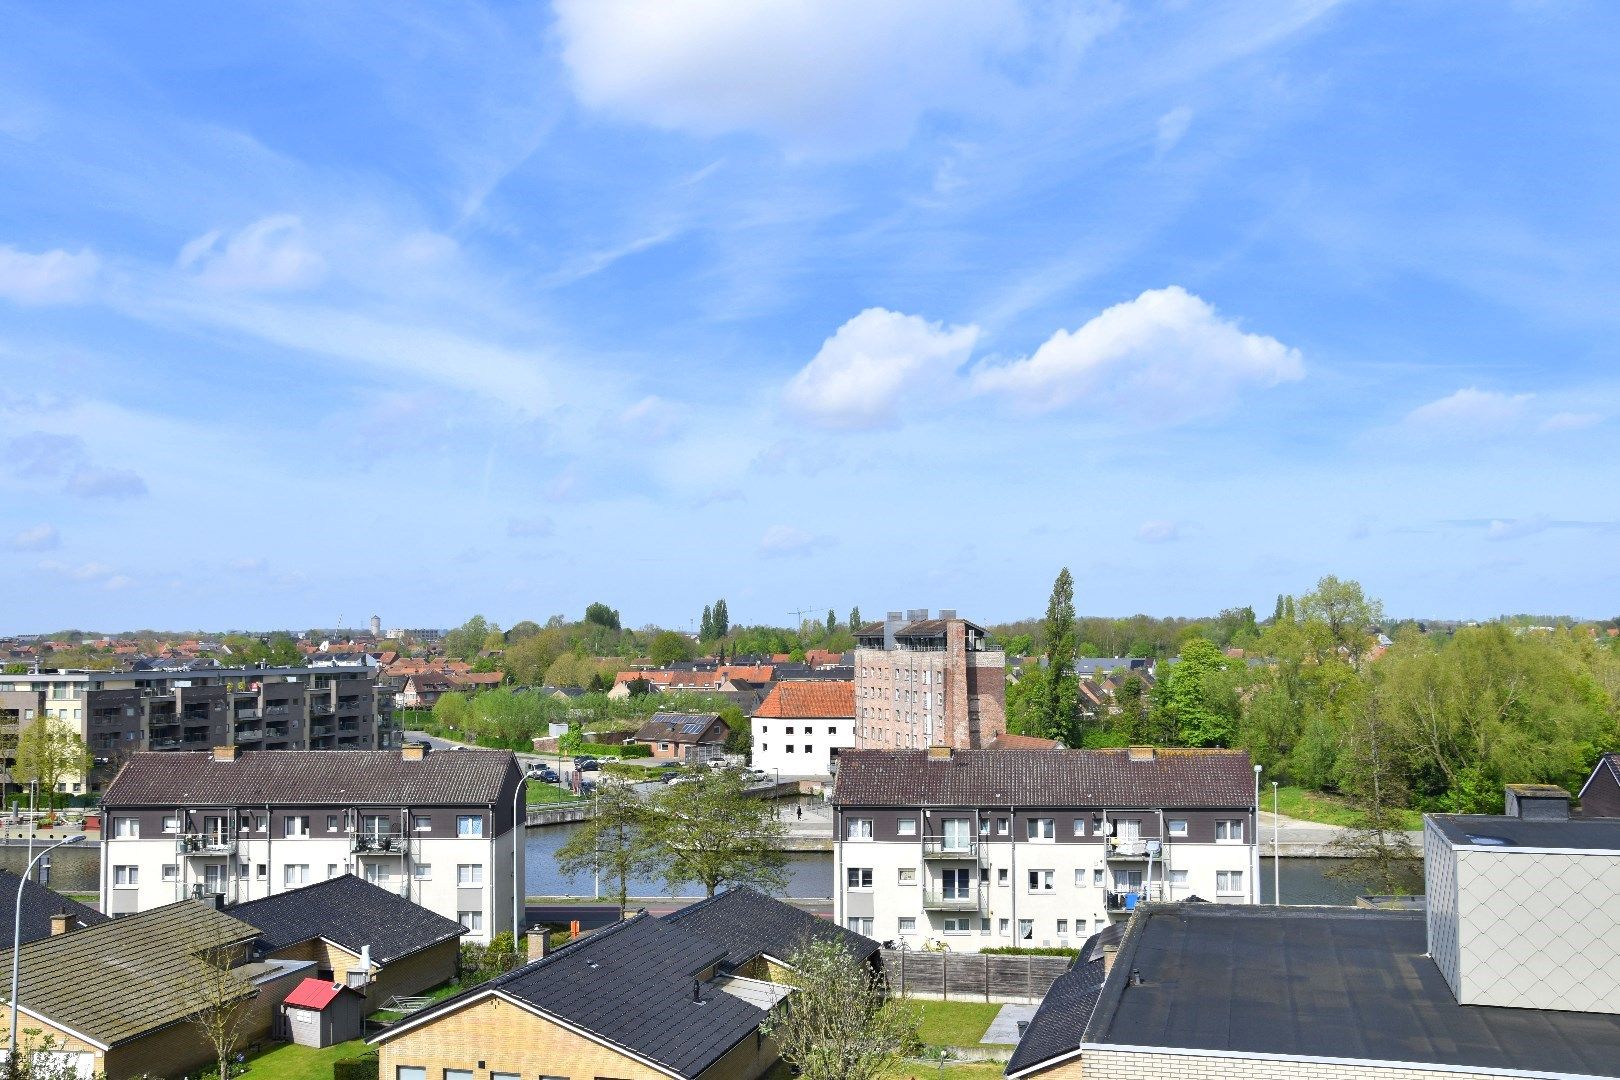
(1323, 983)
(1581, 834)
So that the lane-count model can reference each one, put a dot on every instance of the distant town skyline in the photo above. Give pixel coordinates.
(309, 312)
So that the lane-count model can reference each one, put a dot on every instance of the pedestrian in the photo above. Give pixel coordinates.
(798, 811)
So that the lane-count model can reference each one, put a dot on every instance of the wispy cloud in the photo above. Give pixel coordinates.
(64, 459)
(48, 277)
(1470, 410)
(271, 253)
(528, 527)
(1158, 532)
(790, 541)
(42, 537)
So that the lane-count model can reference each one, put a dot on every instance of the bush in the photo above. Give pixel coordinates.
(363, 1067)
(1014, 950)
(630, 750)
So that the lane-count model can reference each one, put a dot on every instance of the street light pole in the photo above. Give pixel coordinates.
(520, 836)
(16, 939)
(1254, 871)
(1276, 851)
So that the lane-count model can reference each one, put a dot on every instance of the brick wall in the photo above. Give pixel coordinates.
(412, 975)
(1116, 1065)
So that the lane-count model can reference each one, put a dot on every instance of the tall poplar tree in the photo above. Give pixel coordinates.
(1060, 692)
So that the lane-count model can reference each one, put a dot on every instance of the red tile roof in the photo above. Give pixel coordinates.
(1009, 741)
(817, 698)
(314, 993)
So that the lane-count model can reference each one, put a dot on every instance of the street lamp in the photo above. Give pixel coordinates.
(1276, 851)
(1255, 865)
(520, 836)
(16, 937)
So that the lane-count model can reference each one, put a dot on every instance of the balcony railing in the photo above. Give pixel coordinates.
(949, 847)
(204, 844)
(319, 708)
(939, 899)
(253, 734)
(378, 843)
(163, 744)
(1126, 900)
(247, 714)
(322, 729)
(1134, 848)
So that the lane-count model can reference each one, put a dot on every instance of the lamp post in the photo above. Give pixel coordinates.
(1276, 851)
(1255, 866)
(16, 938)
(520, 836)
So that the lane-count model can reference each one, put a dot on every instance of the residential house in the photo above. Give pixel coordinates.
(643, 999)
(683, 736)
(981, 848)
(364, 937)
(441, 829)
(423, 689)
(923, 682)
(692, 677)
(1050, 1046)
(801, 727)
(43, 912)
(1600, 795)
(761, 934)
(321, 1013)
(117, 999)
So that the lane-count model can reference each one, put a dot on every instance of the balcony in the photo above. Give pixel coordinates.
(278, 709)
(322, 729)
(319, 708)
(949, 847)
(939, 899)
(204, 844)
(1125, 901)
(247, 735)
(246, 714)
(1134, 848)
(163, 744)
(275, 731)
(379, 843)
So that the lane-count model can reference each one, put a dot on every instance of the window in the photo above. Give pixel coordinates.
(789, 731)
(859, 829)
(1040, 828)
(127, 828)
(860, 877)
(958, 924)
(808, 749)
(1002, 827)
(663, 746)
(1128, 829)
(295, 825)
(504, 1076)
(469, 874)
(908, 875)
(295, 874)
(331, 823)
(1228, 882)
(332, 869)
(472, 920)
(422, 823)
(832, 731)
(1040, 881)
(1002, 876)
(1062, 927)
(1026, 929)
(171, 823)
(127, 877)
(410, 1072)
(1176, 826)
(791, 748)
(984, 826)
(859, 924)
(1079, 826)
(1230, 832)
(1080, 878)
(1002, 926)
(1178, 879)
(908, 924)
(458, 1074)
(984, 926)
(1097, 878)
(171, 871)
(422, 871)
(906, 826)
(261, 870)
(469, 825)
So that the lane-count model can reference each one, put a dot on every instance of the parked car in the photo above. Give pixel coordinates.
(543, 773)
(589, 764)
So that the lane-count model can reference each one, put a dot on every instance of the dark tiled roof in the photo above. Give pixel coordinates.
(39, 904)
(348, 912)
(630, 985)
(1358, 986)
(312, 778)
(676, 727)
(748, 924)
(1059, 778)
(1060, 1022)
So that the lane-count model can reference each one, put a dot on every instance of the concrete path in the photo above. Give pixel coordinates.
(1003, 1030)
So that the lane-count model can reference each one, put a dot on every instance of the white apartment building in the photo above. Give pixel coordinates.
(802, 726)
(982, 848)
(442, 829)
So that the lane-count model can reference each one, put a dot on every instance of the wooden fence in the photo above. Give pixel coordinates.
(973, 976)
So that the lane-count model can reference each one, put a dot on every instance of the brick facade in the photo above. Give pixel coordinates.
(1122, 1065)
(409, 975)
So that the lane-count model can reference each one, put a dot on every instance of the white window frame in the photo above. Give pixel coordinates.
(1171, 827)
(126, 828)
(171, 871)
(1040, 828)
(470, 826)
(963, 925)
(291, 871)
(422, 871)
(907, 875)
(1229, 826)
(906, 826)
(908, 924)
(1041, 881)
(1229, 876)
(472, 920)
(858, 878)
(127, 877)
(469, 875)
(857, 828)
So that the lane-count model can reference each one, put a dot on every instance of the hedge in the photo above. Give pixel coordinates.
(363, 1067)
(627, 750)
(1014, 950)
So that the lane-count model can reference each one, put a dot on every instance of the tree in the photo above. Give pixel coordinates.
(467, 640)
(839, 1024)
(1376, 851)
(715, 833)
(523, 630)
(832, 622)
(1195, 702)
(706, 626)
(220, 1000)
(603, 616)
(617, 842)
(669, 646)
(1345, 611)
(49, 751)
(722, 618)
(1059, 706)
(854, 618)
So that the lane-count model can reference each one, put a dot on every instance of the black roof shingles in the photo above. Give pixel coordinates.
(1359, 986)
(748, 924)
(1058, 1025)
(40, 903)
(1216, 779)
(348, 912)
(312, 778)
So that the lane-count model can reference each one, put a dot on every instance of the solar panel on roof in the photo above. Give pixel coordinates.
(693, 728)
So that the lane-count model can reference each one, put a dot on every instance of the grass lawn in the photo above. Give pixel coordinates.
(1306, 805)
(287, 1061)
(955, 1023)
(548, 793)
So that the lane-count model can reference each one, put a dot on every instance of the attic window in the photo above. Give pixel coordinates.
(1490, 841)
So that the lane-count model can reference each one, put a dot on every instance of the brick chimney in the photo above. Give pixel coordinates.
(61, 923)
(225, 753)
(939, 753)
(1139, 753)
(413, 751)
(539, 940)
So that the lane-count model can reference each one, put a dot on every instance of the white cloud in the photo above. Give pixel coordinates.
(36, 538)
(530, 527)
(861, 374)
(97, 483)
(1166, 355)
(785, 541)
(1571, 421)
(270, 254)
(1173, 126)
(1514, 528)
(651, 420)
(1470, 410)
(818, 75)
(1158, 532)
(89, 573)
(51, 277)
(42, 455)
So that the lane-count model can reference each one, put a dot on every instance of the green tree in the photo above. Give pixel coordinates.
(1196, 700)
(854, 618)
(706, 625)
(715, 833)
(617, 841)
(832, 622)
(1349, 616)
(49, 751)
(840, 1023)
(1059, 708)
(523, 630)
(669, 646)
(722, 618)
(603, 616)
(467, 640)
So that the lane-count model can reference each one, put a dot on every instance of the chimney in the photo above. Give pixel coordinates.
(225, 753)
(892, 621)
(61, 923)
(1108, 954)
(539, 940)
(697, 991)
(947, 614)
(1537, 802)
(413, 751)
(939, 753)
(1139, 753)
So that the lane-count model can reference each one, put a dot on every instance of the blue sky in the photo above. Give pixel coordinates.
(311, 310)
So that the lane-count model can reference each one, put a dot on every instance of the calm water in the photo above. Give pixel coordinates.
(1306, 881)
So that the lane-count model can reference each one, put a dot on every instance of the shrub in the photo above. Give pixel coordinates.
(363, 1067)
(630, 750)
(1014, 950)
